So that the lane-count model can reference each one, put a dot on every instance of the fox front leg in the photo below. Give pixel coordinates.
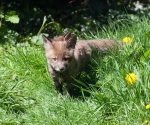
(70, 89)
(58, 86)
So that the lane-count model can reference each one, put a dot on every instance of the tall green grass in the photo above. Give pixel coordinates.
(27, 95)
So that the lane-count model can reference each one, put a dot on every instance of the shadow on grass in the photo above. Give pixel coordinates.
(86, 81)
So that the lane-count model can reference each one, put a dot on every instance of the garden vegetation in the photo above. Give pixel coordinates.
(120, 94)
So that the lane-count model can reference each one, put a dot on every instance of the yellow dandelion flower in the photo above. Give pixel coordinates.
(148, 106)
(145, 122)
(131, 78)
(127, 39)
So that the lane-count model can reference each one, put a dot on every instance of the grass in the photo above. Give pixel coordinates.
(27, 95)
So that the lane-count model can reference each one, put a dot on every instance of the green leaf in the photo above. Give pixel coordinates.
(12, 17)
(37, 40)
(148, 34)
(146, 54)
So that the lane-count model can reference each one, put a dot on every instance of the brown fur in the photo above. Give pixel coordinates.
(67, 57)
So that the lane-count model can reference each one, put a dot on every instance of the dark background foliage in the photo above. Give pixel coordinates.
(77, 15)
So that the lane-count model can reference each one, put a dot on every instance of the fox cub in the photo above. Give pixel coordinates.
(67, 57)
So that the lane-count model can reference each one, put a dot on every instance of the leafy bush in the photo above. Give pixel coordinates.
(77, 15)
(7, 34)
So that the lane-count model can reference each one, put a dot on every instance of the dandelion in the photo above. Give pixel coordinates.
(148, 106)
(127, 39)
(145, 122)
(131, 78)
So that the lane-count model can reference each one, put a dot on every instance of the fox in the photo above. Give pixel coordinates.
(67, 57)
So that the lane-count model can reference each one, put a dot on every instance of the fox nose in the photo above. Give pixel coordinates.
(61, 68)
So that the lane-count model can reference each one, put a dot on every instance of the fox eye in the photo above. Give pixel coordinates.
(54, 59)
(65, 58)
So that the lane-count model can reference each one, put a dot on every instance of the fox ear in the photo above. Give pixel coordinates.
(47, 42)
(67, 36)
(71, 40)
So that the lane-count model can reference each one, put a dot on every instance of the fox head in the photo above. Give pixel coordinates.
(60, 51)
